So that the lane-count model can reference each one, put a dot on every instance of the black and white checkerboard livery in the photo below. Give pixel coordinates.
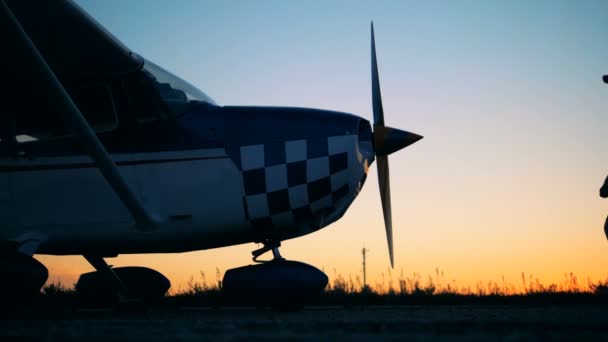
(295, 182)
(119, 156)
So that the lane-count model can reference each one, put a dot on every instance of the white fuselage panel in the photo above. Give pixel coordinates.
(198, 194)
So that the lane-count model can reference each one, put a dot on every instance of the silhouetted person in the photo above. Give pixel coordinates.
(604, 188)
(604, 194)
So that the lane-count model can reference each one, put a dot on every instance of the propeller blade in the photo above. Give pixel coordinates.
(376, 95)
(385, 197)
(386, 141)
(382, 159)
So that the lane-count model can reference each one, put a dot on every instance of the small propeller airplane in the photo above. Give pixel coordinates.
(103, 152)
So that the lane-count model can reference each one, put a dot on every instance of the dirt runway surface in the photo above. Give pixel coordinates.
(442, 323)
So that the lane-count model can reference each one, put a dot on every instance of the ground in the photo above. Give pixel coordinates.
(463, 322)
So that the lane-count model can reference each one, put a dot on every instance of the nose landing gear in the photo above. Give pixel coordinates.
(268, 246)
(279, 283)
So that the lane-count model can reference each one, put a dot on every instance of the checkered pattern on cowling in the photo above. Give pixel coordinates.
(288, 182)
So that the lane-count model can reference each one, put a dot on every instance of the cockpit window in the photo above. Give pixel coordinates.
(173, 90)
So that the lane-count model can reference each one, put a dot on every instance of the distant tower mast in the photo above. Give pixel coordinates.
(363, 251)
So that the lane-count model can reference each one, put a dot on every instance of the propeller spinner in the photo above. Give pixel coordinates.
(386, 141)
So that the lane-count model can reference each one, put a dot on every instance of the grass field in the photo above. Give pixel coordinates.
(409, 291)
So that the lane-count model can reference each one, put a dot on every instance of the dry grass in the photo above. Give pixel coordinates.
(414, 289)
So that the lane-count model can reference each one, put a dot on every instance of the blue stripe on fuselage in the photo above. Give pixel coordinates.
(206, 126)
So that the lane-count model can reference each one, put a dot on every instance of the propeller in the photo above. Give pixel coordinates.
(386, 141)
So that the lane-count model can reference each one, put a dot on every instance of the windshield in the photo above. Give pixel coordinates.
(174, 90)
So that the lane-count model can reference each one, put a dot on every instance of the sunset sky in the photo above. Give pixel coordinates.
(508, 95)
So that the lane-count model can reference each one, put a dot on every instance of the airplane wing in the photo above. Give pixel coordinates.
(50, 44)
(74, 45)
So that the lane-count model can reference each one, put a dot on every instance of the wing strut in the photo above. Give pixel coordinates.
(35, 69)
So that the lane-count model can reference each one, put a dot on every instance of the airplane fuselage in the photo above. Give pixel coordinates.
(216, 176)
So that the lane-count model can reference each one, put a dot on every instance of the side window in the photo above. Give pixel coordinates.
(38, 120)
(34, 119)
(97, 106)
(138, 101)
(12, 135)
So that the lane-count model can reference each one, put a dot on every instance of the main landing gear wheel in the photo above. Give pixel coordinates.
(22, 278)
(279, 283)
(126, 288)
